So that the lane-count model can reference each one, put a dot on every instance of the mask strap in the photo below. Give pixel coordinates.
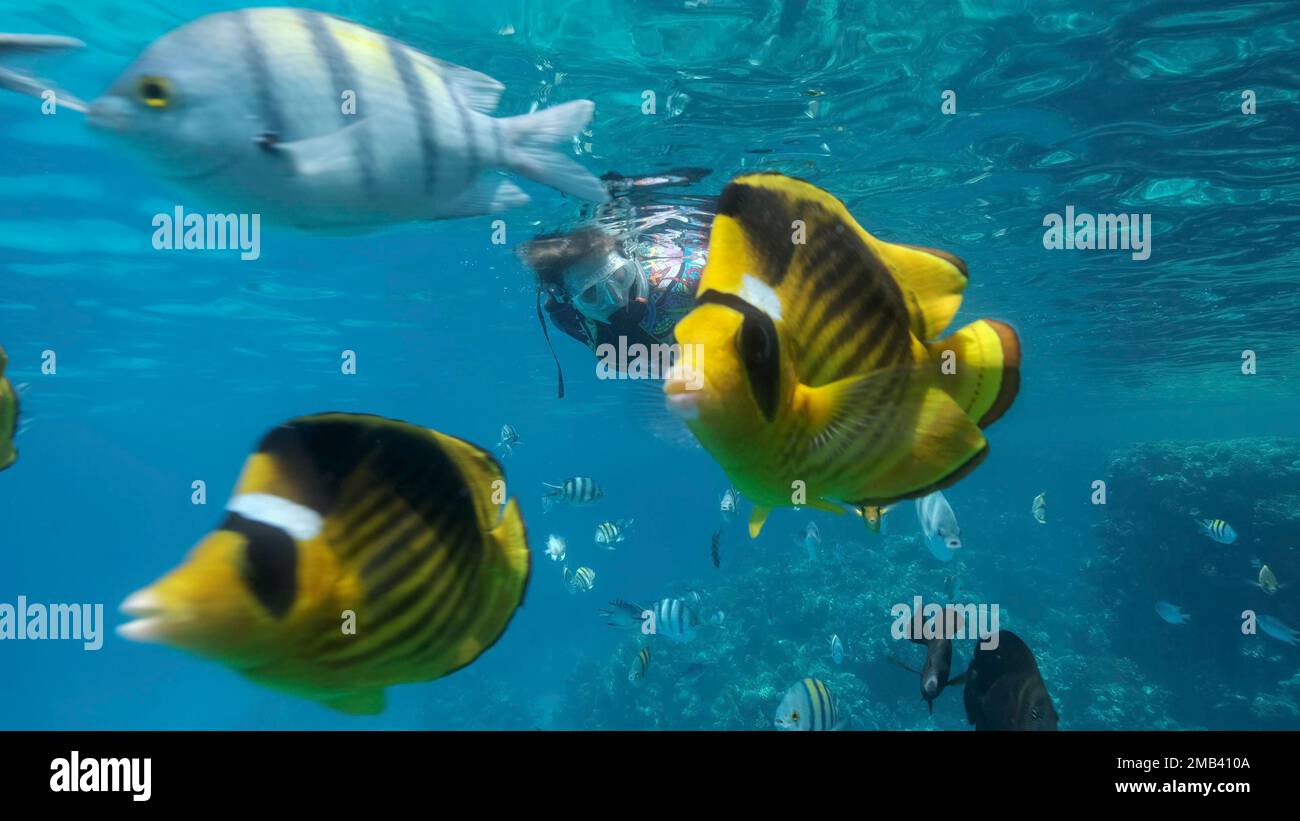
(541, 320)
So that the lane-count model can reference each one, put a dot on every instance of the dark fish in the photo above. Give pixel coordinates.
(1004, 689)
(935, 671)
(717, 542)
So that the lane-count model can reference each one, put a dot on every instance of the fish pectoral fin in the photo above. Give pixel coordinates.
(757, 517)
(937, 444)
(845, 409)
(326, 155)
(896, 661)
(357, 703)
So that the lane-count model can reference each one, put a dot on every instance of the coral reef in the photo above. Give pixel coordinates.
(1149, 548)
(780, 611)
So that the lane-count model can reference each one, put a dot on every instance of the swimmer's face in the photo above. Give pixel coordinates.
(600, 286)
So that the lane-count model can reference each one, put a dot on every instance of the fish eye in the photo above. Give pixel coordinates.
(154, 92)
(794, 716)
(755, 343)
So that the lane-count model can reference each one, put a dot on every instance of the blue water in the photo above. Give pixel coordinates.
(171, 365)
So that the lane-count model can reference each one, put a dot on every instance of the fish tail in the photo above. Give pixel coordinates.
(535, 154)
(985, 373)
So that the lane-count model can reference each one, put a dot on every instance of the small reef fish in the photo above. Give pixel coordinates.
(1040, 508)
(555, 548)
(1218, 530)
(938, 525)
(935, 671)
(574, 492)
(623, 614)
(1267, 581)
(714, 552)
(1275, 627)
(509, 440)
(580, 581)
(808, 705)
(344, 512)
(1172, 613)
(727, 504)
(640, 665)
(837, 649)
(810, 538)
(1005, 690)
(823, 357)
(247, 108)
(675, 619)
(9, 413)
(609, 534)
(873, 516)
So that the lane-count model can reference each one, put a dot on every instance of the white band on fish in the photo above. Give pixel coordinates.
(299, 521)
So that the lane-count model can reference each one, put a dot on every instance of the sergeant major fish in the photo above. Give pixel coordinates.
(575, 492)
(640, 665)
(727, 504)
(320, 123)
(609, 534)
(808, 705)
(676, 620)
(581, 580)
(345, 513)
(1218, 530)
(823, 357)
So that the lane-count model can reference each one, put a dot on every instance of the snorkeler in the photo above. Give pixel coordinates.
(630, 269)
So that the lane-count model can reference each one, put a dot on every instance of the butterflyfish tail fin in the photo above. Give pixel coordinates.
(979, 367)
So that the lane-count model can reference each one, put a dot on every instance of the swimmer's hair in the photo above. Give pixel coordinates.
(550, 255)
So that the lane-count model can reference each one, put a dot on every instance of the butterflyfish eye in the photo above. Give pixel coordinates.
(757, 347)
(155, 92)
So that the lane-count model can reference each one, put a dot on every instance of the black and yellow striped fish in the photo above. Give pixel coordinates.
(8, 416)
(357, 552)
(820, 362)
(1218, 530)
(808, 705)
(581, 580)
(639, 665)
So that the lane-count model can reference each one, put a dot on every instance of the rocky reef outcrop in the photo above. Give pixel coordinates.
(1149, 548)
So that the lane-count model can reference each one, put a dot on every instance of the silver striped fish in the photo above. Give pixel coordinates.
(576, 492)
(320, 123)
(808, 706)
(611, 533)
(640, 665)
(675, 619)
(1218, 530)
(580, 581)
